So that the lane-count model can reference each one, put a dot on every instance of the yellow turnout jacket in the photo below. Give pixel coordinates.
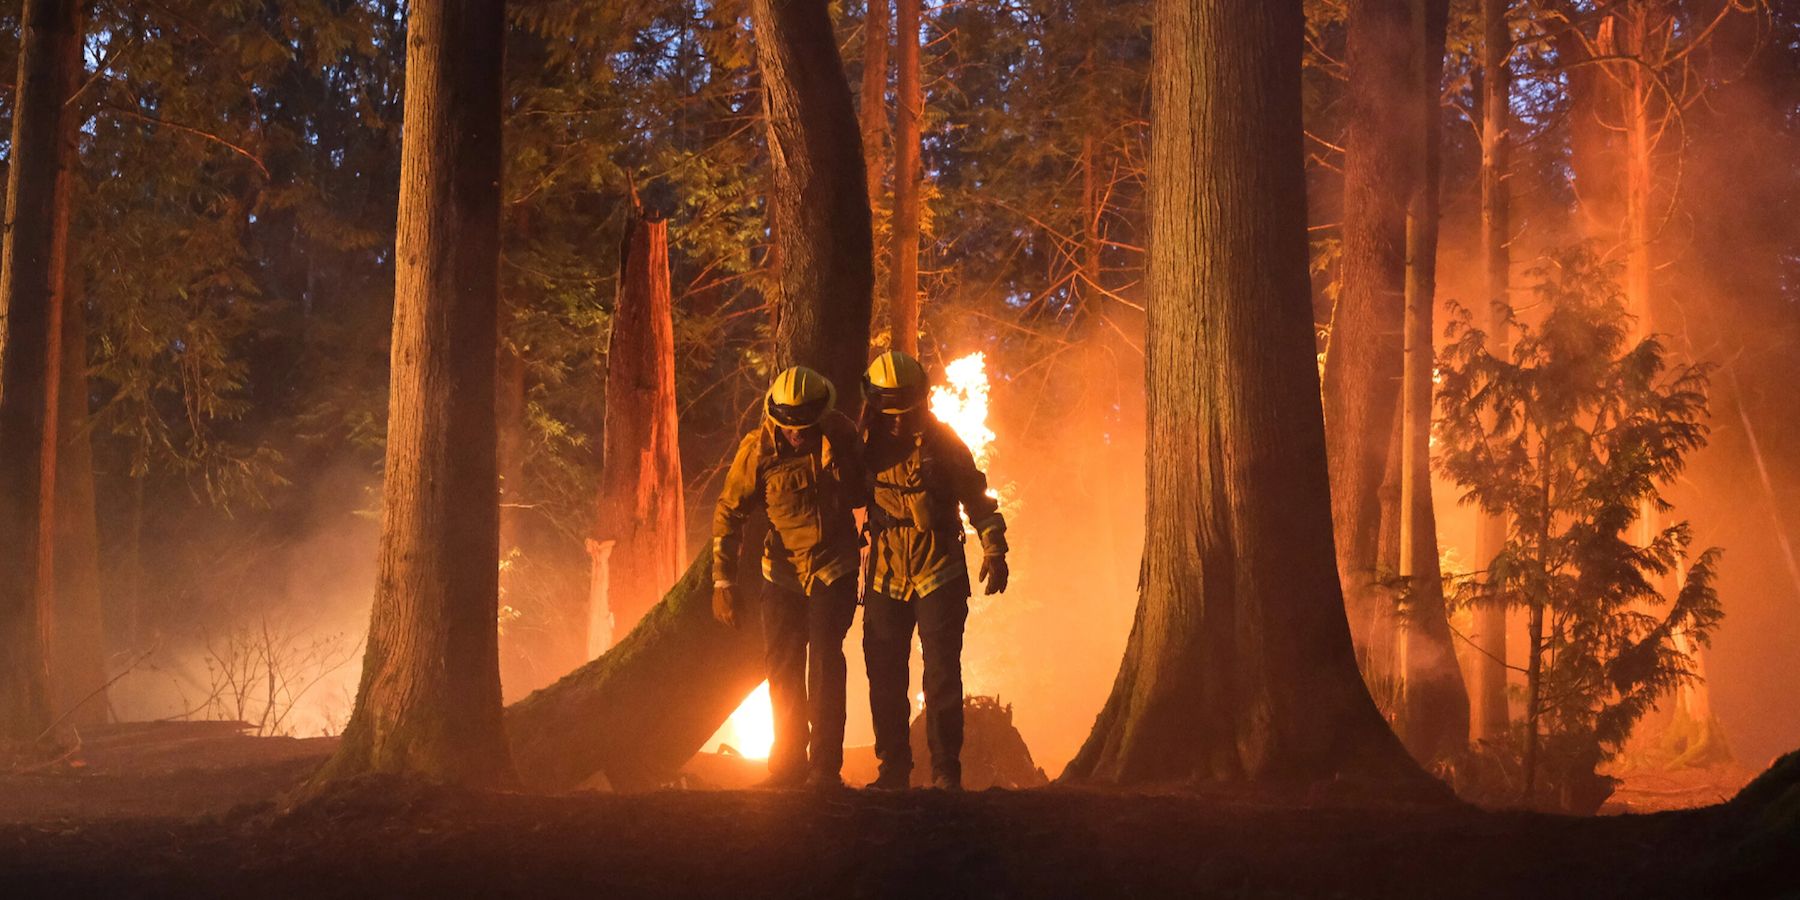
(916, 535)
(808, 494)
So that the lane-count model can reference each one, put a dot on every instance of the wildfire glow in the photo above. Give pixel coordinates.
(961, 402)
(751, 729)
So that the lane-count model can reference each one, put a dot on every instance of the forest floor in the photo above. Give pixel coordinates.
(185, 809)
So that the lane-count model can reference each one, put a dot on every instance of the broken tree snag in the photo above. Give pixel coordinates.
(429, 702)
(636, 714)
(28, 354)
(641, 499)
(1363, 361)
(1239, 667)
(643, 709)
(820, 197)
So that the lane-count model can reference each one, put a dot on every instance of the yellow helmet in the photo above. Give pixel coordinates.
(799, 398)
(894, 383)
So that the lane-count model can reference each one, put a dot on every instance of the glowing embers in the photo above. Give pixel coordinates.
(751, 729)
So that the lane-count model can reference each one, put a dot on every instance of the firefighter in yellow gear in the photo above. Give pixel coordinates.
(917, 574)
(803, 467)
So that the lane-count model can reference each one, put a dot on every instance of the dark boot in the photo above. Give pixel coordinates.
(890, 780)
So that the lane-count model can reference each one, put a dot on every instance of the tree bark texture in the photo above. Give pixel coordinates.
(77, 634)
(874, 120)
(909, 103)
(1491, 718)
(640, 711)
(429, 703)
(1239, 666)
(1363, 363)
(1435, 702)
(820, 198)
(30, 268)
(641, 500)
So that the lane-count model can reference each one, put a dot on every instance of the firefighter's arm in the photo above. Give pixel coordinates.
(970, 485)
(847, 452)
(741, 496)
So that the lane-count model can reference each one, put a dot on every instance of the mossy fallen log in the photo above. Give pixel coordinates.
(642, 709)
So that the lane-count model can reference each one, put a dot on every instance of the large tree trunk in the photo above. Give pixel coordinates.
(77, 637)
(429, 703)
(1435, 703)
(1637, 85)
(30, 267)
(1239, 666)
(874, 95)
(821, 213)
(641, 507)
(903, 261)
(1491, 720)
(1363, 363)
(637, 713)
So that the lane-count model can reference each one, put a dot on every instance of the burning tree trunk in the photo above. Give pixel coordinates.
(1239, 666)
(903, 261)
(637, 713)
(429, 703)
(641, 500)
(29, 292)
(1363, 363)
(1435, 704)
(1491, 719)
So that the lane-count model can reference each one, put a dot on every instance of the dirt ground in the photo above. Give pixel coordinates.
(185, 810)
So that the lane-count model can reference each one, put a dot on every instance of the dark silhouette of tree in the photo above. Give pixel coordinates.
(903, 260)
(30, 288)
(1239, 666)
(429, 704)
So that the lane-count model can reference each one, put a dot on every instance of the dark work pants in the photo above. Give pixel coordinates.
(803, 643)
(887, 648)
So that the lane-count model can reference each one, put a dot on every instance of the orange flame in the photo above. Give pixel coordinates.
(751, 729)
(961, 402)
